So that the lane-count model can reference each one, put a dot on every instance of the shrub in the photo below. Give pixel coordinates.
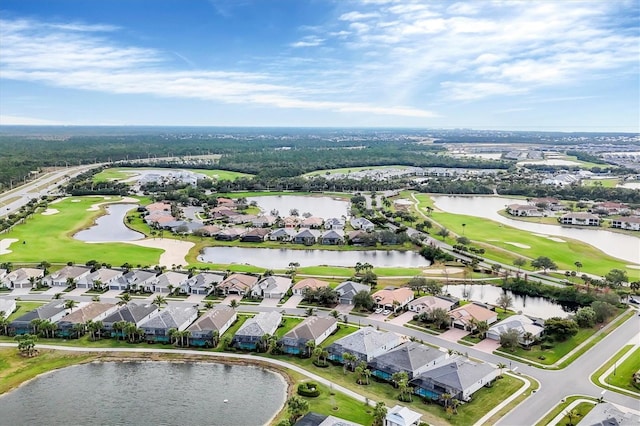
(308, 389)
(546, 346)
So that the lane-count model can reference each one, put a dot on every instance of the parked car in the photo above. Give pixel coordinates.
(378, 311)
(386, 312)
(635, 301)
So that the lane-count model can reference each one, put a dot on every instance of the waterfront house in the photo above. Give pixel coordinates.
(8, 306)
(202, 283)
(52, 311)
(358, 238)
(332, 237)
(131, 312)
(257, 235)
(307, 237)
(457, 376)
(251, 332)
(167, 282)
(313, 328)
(549, 203)
(525, 210)
(271, 287)
(209, 230)
(312, 222)
(133, 280)
(23, 278)
(282, 234)
(90, 312)
(218, 319)
(315, 419)
(230, 234)
(522, 324)
(583, 219)
(240, 284)
(631, 223)
(429, 303)
(157, 327)
(402, 416)
(411, 357)
(348, 289)
(362, 223)
(334, 223)
(366, 344)
(62, 277)
(308, 283)
(393, 299)
(264, 221)
(611, 208)
(105, 276)
(465, 316)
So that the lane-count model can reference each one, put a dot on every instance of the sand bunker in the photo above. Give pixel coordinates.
(49, 212)
(633, 266)
(75, 201)
(95, 207)
(4, 245)
(556, 239)
(442, 271)
(522, 246)
(175, 251)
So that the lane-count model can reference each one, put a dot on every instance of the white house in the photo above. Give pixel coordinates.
(272, 287)
(169, 281)
(60, 278)
(7, 306)
(22, 278)
(521, 323)
(631, 223)
(334, 223)
(105, 275)
(524, 210)
(402, 416)
(584, 219)
(362, 223)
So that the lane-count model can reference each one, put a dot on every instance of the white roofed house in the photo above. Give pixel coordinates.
(133, 280)
(158, 327)
(217, 320)
(23, 278)
(251, 332)
(522, 324)
(63, 277)
(366, 344)
(8, 306)
(362, 223)
(169, 281)
(202, 283)
(313, 328)
(102, 277)
(402, 416)
(334, 223)
(272, 287)
(524, 210)
(581, 218)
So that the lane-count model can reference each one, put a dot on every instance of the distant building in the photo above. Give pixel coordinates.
(631, 223)
(583, 219)
(524, 210)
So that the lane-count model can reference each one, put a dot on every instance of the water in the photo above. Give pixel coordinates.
(280, 258)
(535, 306)
(630, 185)
(549, 162)
(147, 393)
(625, 247)
(111, 227)
(324, 207)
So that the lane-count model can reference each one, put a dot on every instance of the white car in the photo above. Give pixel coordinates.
(378, 311)
(386, 312)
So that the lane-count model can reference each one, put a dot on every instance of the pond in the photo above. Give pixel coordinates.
(111, 227)
(280, 258)
(147, 393)
(534, 306)
(625, 247)
(324, 207)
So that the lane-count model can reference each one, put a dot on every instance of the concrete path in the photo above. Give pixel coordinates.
(402, 319)
(525, 385)
(569, 407)
(601, 381)
(195, 298)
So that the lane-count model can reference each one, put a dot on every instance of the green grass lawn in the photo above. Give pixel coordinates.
(51, 238)
(120, 173)
(220, 174)
(24, 307)
(606, 183)
(580, 410)
(622, 376)
(561, 408)
(496, 234)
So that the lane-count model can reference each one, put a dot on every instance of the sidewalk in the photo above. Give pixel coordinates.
(601, 381)
(504, 403)
(569, 407)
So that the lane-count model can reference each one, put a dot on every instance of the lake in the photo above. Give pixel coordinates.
(111, 227)
(534, 306)
(625, 247)
(147, 393)
(324, 207)
(280, 258)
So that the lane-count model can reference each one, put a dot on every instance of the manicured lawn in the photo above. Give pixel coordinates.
(51, 238)
(606, 183)
(580, 410)
(561, 408)
(496, 234)
(120, 173)
(220, 174)
(333, 403)
(24, 307)
(622, 376)
(288, 323)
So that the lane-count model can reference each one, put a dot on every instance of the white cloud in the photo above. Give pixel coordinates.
(308, 41)
(471, 91)
(14, 120)
(357, 16)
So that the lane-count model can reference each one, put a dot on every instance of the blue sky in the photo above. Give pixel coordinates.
(524, 65)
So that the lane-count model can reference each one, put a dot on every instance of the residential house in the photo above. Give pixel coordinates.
(131, 312)
(226, 202)
(583, 219)
(524, 210)
(308, 283)
(312, 222)
(3, 273)
(332, 237)
(62, 277)
(411, 357)
(103, 275)
(256, 235)
(631, 223)
(157, 328)
(334, 223)
(366, 344)
(264, 221)
(429, 303)
(348, 289)
(8, 306)
(358, 238)
(52, 311)
(23, 278)
(209, 230)
(167, 282)
(307, 237)
(458, 376)
(522, 324)
(315, 419)
(313, 328)
(242, 219)
(230, 234)
(134, 280)
(250, 333)
(271, 287)
(282, 234)
(465, 316)
(362, 223)
(611, 208)
(393, 298)
(549, 203)
(291, 222)
(158, 207)
(402, 416)
(607, 414)
(218, 319)
(80, 315)
(237, 284)
(202, 283)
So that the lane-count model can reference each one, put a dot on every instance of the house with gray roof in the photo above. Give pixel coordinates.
(366, 344)
(282, 234)
(607, 414)
(167, 282)
(307, 237)
(7, 306)
(410, 357)
(362, 223)
(249, 335)
(133, 280)
(52, 311)
(158, 327)
(22, 278)
(315, 419)
(218, 319)
(334, 223)
(458, 376)
(131, 312)
(332, 237)
(522, 324)
(313, 328)
(104, 275)
(62, 277)
(272, 287)
(202, 283)
(90, 312)
(347, 289)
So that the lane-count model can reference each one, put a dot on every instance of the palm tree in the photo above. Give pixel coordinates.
(310, 345)
(233, 303)
(70, 304)
(208, 304)
(405, 389)
(118, 329)
(578, 265)
(35, 325)
(348, 360)
(215, 338)
(501, 366)
(317, 352)
(571, 414)
(310, 311)
(173, 335)
(528, 338)
(335, 314)
(454, 404)
(446, 399)
(124, 298)
(482, 327)
(78, 329)
(4, 323)
(159, 300)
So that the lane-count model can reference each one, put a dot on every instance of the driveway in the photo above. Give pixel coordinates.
(344, 309)
(20, 291)
(111, 294)
(54, 290)
(78, 292)
(487, 345)
(227, 300)
(195, 298)
(292, 302)
(453, 335)
(402, 319)
(272, 303)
